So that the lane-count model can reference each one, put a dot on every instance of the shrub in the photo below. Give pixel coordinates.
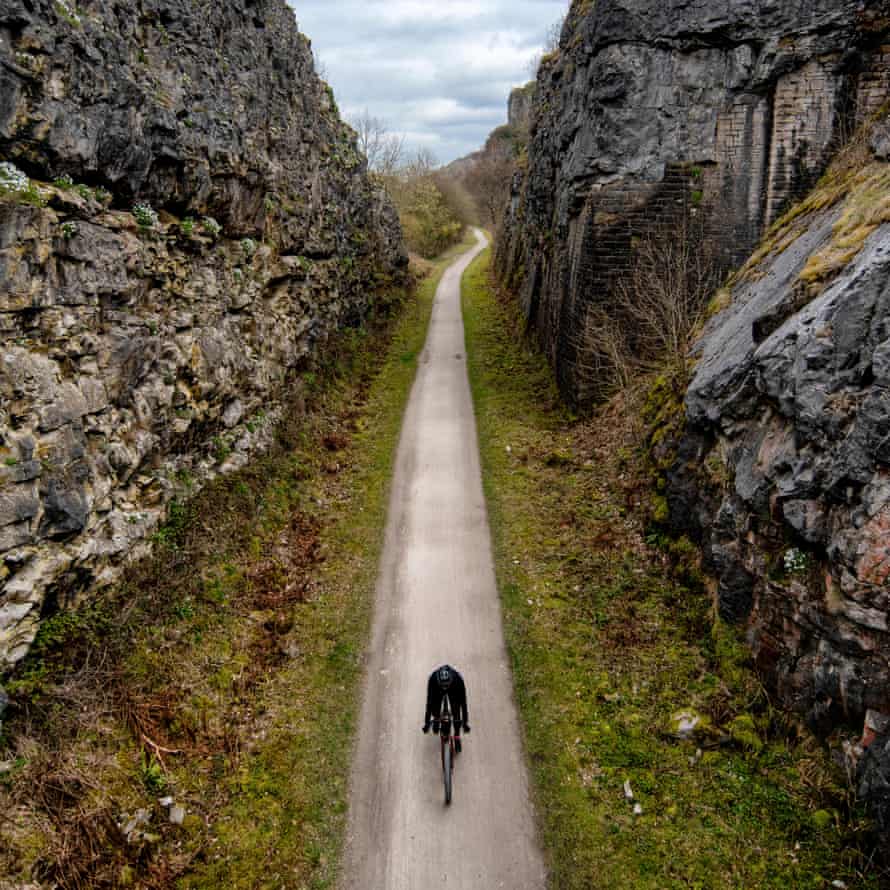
(68, 11)
(12, 179)
(210, 226)
(187, 226)
(795, 561)
(654, 309)
(69, 230)
(429, 224)
(145, 215)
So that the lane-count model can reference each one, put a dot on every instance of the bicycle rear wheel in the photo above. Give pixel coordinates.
(447, 769)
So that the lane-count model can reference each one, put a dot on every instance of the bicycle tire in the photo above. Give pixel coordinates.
(447, 768)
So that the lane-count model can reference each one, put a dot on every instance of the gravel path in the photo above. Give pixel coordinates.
(437, 601)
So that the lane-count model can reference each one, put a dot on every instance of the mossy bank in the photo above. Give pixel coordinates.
(657, 759)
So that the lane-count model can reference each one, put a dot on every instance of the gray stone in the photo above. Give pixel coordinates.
(20, 471)
(881, 364)
(66, 506)
(728, 110)
(880, 141)
(94, 394)
(15, 535)
(124, 350)
(873, 776)
(18, 503)
(70, 405)
(233, 413)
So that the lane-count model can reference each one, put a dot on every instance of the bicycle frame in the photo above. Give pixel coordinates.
(447, 743)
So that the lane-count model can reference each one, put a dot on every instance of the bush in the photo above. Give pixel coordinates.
(654, 309)
(211, 227)
(146, 216)
(429, 224)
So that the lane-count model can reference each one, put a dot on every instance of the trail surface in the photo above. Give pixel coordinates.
(437, 602)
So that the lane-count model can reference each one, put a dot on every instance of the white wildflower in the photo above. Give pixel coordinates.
(12, 179)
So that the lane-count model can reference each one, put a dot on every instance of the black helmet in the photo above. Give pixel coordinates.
(444, 676)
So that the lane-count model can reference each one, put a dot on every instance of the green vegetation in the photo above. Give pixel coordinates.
(16, 185)
(616, 658)
(224, 671)
(145, 215)
(70, 12)
(209, 226)
(428, 220)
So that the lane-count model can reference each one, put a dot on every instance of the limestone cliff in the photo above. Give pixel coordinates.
(184, 221)
(519, 107)
(730, 112)
(783, 470)
(731, 109)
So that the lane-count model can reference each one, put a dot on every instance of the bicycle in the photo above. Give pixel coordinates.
(447, 742)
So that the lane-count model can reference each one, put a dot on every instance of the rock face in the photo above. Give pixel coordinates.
(783, 470)
(729, 110)
(653, 114)
(519, 107)
(193, 223)
(784, 475)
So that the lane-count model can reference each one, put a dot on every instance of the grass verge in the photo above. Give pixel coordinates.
(194, 727)
(656, 757)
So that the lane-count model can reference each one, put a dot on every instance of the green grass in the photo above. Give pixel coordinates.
(610, 635)
(225, 670)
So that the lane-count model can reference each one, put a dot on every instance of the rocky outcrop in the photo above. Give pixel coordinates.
(782, 472)
(519, 107)
(873, 787)
(184, 221)
(652, 115)
(725, 110)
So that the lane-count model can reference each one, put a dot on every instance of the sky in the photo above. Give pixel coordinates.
(438, 72)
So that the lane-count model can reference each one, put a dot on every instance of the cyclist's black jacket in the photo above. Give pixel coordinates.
(457, 695)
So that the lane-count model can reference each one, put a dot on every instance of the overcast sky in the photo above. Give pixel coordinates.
(439, 72)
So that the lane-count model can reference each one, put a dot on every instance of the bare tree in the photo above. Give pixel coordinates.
(422, 163)
(553, 35)
(551, 45)
(489, 183)
(384, 149)
(655, 308)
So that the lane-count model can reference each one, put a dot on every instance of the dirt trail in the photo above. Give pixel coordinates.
(436, 602)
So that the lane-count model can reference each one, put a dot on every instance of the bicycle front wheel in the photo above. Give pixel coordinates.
(447, 769)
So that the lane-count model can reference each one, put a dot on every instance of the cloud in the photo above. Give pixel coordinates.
(438, 72)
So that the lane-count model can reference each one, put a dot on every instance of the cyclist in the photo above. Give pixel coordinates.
(446, 679)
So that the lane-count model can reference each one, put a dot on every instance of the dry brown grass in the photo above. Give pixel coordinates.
(159, 679)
